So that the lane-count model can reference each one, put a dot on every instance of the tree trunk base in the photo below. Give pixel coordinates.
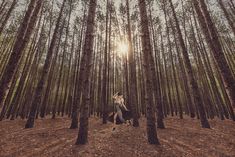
(192, 115)
(136, 123)
(205, 125)
(81, 140)
(83, 132)
(29, 123)
(160, 124)
(74, 124)
(152, 134)
(152, 139)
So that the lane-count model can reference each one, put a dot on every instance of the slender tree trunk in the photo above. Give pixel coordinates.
(149, 71)
(40, 84)
(212, 38)
(104, 84)
(2, 7)
(79, 78)
(193, 83)
(12, 7)
(87, 53)
(23, 36)
(230, 22)
(132, 64)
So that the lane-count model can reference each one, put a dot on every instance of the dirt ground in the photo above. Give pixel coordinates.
(52, 138)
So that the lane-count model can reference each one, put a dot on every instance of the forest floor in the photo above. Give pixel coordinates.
(52, 138)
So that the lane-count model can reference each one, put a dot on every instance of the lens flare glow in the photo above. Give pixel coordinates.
(122, 48)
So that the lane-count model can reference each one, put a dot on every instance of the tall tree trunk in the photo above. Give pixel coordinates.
(2, 5)
(87, 53)
(149, 71)
(79, 77)
(230, 22)
(104, 84)
(40, 84)
(157, 86)
(193, 83)
(12, 7)
(132, 64)
(212, 38)
(23, 36)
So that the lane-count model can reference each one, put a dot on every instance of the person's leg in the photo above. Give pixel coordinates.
(119, 113)
(114, 120)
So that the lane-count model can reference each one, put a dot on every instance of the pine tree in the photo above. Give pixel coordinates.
(149, 70)
(87, 53)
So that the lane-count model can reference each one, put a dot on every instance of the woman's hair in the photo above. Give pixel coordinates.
(119, 93)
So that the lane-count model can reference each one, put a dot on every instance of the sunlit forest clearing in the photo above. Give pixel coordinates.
(121, 78)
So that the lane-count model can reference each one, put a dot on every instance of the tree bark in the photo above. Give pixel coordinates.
(193, 83)
(230, 22)
(87, 53)
(12, 7)
(212, 38)
(132, 64)
(40, 84)
(104, 84)
(25, 31)
(149, 71)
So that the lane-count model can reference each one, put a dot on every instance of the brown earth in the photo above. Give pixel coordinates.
(52, 138)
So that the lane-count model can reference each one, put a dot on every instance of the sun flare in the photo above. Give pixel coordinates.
(122, 48)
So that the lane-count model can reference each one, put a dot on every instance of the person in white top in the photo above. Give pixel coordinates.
(119, 102)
